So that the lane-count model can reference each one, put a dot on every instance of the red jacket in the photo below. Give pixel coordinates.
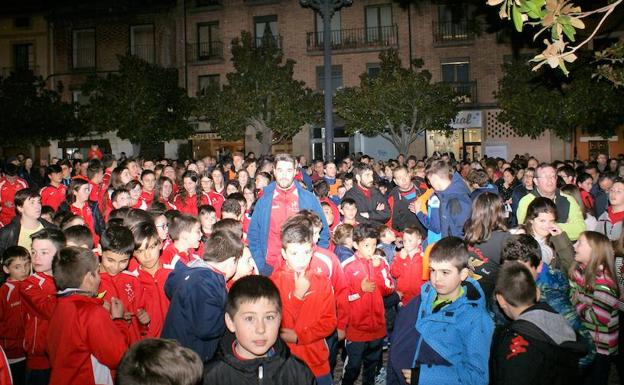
(408, 273)
(335, 211)
(85, 344)
(367, 319)
(5, 370)
(38, 293)
(127, 288)
(53, 196)
(171, 255)
(312, 319)
(86, 214)
(325, 262)
(189, 206)
(94, 154)
(12, 325)
(215, 200)
(156, 302)
(7, 194)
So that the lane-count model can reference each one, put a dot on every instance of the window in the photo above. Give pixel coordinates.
(142, 42)
(266, 25)
(372, 69)
(379, 23)
(453, 24)
(208, 44)
(456, 71)
(84, 48)
(23, 57)
(336, 77)
(335, 28)
(206, 81)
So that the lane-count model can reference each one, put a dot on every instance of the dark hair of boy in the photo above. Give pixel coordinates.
(516, 285)
(53, 169)
(70, 266)
(23, 195)
(146, 172)
(14, 252)
(117, 239)
(349, 176)
(521, 248)
(47, 210)
(266, 175)
(142, 231)
(321, 188)
(159, 362)
(181, 223)
(414, 230)
(567, 170)
(440, 168)
(296, 233)
(229, 224)
(379, 253)
(231, 206)
(450, 249)
(206, 209)
(347, 201)
(53, 235)
(117, 192)
(120, 213)
(157, 209)
(136, 216)
(250, 289)
(222, 246)
(79, 235)
(325, 204)
(237, 196)
(365, 231)
(313, 217)
(10, 169)
(341, 233)
(95, 167)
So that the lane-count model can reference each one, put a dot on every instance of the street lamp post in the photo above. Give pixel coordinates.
(326, 9)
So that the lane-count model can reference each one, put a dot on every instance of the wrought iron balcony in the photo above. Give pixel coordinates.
(276, 39)
(452, 32)
(31, 69)
(466, 92)
(356, 38)
(143, 51)
(204, 51)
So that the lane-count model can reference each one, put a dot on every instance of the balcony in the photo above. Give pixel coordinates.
(373, 38)
(208, 51)
(83, 58)
(30, 70)
(276, 39)
(452, 33)
(143, 51)
(466, 92)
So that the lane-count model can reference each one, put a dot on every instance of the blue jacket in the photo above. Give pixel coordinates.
(258, 233)
(455, 207)
(488, 188)
(460, 334)
(196, 313)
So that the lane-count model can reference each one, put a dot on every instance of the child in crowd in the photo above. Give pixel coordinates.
(16, 265)
(254, 314)
(185, 234)
(78, 201)
(539, 346)
(309, 306)
(159, 362)
(86, 341)
(369, 281)
(330, 215)
(231, 209)
(198, 295)
(79, 236)
(348, 209)
(38, 293)
(387, 238)
(409, 269)
(343, 239)
(207, 219)
(116, 282)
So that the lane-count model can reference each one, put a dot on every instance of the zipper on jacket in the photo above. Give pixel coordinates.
(260, 374)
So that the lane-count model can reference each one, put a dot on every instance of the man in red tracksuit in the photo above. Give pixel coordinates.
(84, 343)
(9, 185)
(53, 194)
(369, 281)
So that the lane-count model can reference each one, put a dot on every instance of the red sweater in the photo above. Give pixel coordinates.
(126, 287)
(38, 293)
(12, 325)
(85, 344)
(367, 319)
(327, 263)
(156, 302)
(312, 318)
(7, 194)
(53, 196)
(86, 214)
(284, 205)
(408, 273)
(171, 255)
(5, 370)
(215, 200)
(189, 206)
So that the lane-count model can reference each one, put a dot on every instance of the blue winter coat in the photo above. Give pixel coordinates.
(258, 233)
(196, 313)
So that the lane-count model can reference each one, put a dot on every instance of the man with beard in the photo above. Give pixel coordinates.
(281, 200)
(400, 198)
(371, 205)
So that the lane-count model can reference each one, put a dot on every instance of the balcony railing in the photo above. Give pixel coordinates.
(466, 92)
(143, 51)
(356, 38)
(450, 32)
(276, 39)
(84, 57)
(31, 69)
(204, 51)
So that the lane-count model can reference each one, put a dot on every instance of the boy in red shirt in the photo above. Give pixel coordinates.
(38, 293)
(85, 344)
(369, 281)
(53, 194)
(309, 307)
(116, 282)
(408, 268)
(9, 185)
(185, 232)
(16, 264)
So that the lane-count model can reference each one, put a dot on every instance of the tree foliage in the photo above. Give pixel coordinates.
(534, 102)
(261, 92)
(142, 102)
(31, 114)
(398, 103)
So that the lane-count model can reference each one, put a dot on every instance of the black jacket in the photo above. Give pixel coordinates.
(280, 368)
(537, 348)
(402, 217)
(365, 205)
(9, 234)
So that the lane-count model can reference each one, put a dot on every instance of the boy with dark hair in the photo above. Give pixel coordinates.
(349, 211)
(185, 234)
(231, 209)
(450, 342)
(198, 295)
(85, 344)
(16, 265)
(255, 352)
(368, 278)
(9, 185)
(116, 282)
(159, 362)
(309, 306)
(539, 347)
(54, 193)
(38, 293)
(79, 236)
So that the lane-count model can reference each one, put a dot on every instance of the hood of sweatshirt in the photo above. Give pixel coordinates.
(457, 187)
(270, 364)
(543, 323)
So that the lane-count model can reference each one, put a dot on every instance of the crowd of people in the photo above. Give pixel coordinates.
(270, 270)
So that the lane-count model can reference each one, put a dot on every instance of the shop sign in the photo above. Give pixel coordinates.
(467, 119)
